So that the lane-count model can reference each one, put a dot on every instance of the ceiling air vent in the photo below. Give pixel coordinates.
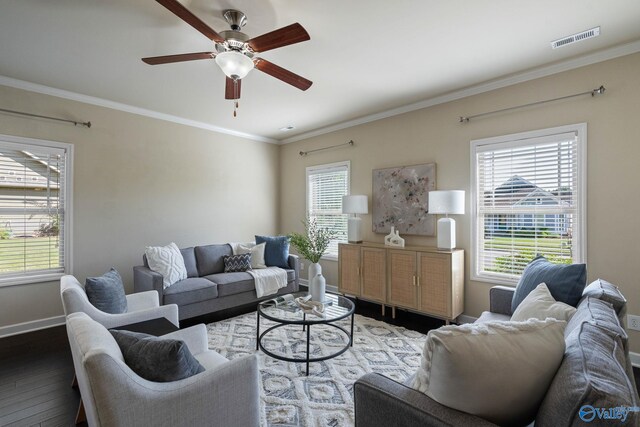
(594, 32)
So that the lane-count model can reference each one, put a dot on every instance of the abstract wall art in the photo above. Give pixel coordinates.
(401, 198)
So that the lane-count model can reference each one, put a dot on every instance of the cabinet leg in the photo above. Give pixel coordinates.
(383, 309)
(393, 312)
(446, 322)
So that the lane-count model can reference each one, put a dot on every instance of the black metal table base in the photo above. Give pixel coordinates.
(305, 327)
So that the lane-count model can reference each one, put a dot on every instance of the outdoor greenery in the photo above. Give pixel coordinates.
(50, 229)
(313, 244)
(4, 233)
(554, 249)
(26, 254)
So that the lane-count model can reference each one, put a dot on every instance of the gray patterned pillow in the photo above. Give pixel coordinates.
(106, 293)
(234, 263)
(156, 359)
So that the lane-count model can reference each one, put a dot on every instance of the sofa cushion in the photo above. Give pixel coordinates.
(591, 376)
(106, 293)
(488, 316)
(237, 263)
(276, 252)
(597, 312)
(256, 251)
(540, 304)
(565, 282)
(498, 371)
(211, 258)
(168, 261)
(232, 283)
(191, 290)
(608, 292)
(189, 256)
(157, 359)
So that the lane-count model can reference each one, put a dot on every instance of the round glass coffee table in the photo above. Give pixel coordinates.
(336, 308)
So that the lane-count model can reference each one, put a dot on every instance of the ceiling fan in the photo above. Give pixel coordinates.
(235, 52)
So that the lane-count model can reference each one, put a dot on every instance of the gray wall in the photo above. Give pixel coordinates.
(140, 181)
(434, 135)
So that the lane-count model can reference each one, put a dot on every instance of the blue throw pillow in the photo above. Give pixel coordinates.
(276, 251)
(106, 293)
(565, 281)
(156, 359)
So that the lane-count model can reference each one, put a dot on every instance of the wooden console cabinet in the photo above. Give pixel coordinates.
(422, 279)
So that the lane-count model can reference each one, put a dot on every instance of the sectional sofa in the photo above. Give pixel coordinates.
(208, 288)
(595, 374)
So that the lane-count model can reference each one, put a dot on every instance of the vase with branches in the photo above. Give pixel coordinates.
(312, 245)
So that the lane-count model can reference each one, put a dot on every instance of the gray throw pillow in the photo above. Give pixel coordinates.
(565, 281)
(236, 263)
(156, 359)
(106, 293)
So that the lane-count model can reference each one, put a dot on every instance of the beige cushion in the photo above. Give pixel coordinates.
(499, 371)
(256, 251)
(540, 304)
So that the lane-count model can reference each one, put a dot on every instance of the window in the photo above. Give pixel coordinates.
(35, 183)
(326, 184)
(528, 198)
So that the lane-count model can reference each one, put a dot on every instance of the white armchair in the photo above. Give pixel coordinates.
(225, 394)
(141, 306)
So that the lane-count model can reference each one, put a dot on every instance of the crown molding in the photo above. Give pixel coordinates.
(603, 55)
(60, 93)
(593, 58)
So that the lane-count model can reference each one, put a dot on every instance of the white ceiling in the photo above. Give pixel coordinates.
(364, 56)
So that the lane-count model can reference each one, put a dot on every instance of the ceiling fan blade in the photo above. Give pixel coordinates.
(167, 59)
(183, 13)
(285, 36)
(232, 89)
(282, 74)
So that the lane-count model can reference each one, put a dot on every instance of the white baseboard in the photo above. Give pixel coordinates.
(463, 318)
(330, 288)
(34, 325)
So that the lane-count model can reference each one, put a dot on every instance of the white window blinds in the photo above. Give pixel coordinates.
(33, 209)
(528, 201)
(326, 184)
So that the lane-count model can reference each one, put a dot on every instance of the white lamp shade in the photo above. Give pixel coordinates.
(355, 204)
(234, 64)
(446, 202)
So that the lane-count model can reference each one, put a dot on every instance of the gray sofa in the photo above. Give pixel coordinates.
(596, 370)
(208, 288)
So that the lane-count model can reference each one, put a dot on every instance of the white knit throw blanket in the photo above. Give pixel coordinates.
(268, 280)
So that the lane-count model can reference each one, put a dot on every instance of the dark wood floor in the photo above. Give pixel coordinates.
(36, 368)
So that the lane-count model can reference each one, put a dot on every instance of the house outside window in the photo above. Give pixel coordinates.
(326, 184)
(35, 201)
(528, 199)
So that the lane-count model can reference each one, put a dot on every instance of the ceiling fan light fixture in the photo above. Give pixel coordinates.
(234, 64)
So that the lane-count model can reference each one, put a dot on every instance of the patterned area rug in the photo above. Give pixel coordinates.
(325, 397)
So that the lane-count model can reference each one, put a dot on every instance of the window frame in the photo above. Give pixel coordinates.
(67, 236)
(523, 139)
(327, 166)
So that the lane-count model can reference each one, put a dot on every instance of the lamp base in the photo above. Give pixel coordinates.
(354, 227)
(446, 233)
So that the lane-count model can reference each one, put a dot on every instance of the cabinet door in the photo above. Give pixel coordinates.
(349, 269)
(435, 283)
(402, 279)
(374, 273)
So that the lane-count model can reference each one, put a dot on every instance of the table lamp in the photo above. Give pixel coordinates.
(355, 204)
(446, 203)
